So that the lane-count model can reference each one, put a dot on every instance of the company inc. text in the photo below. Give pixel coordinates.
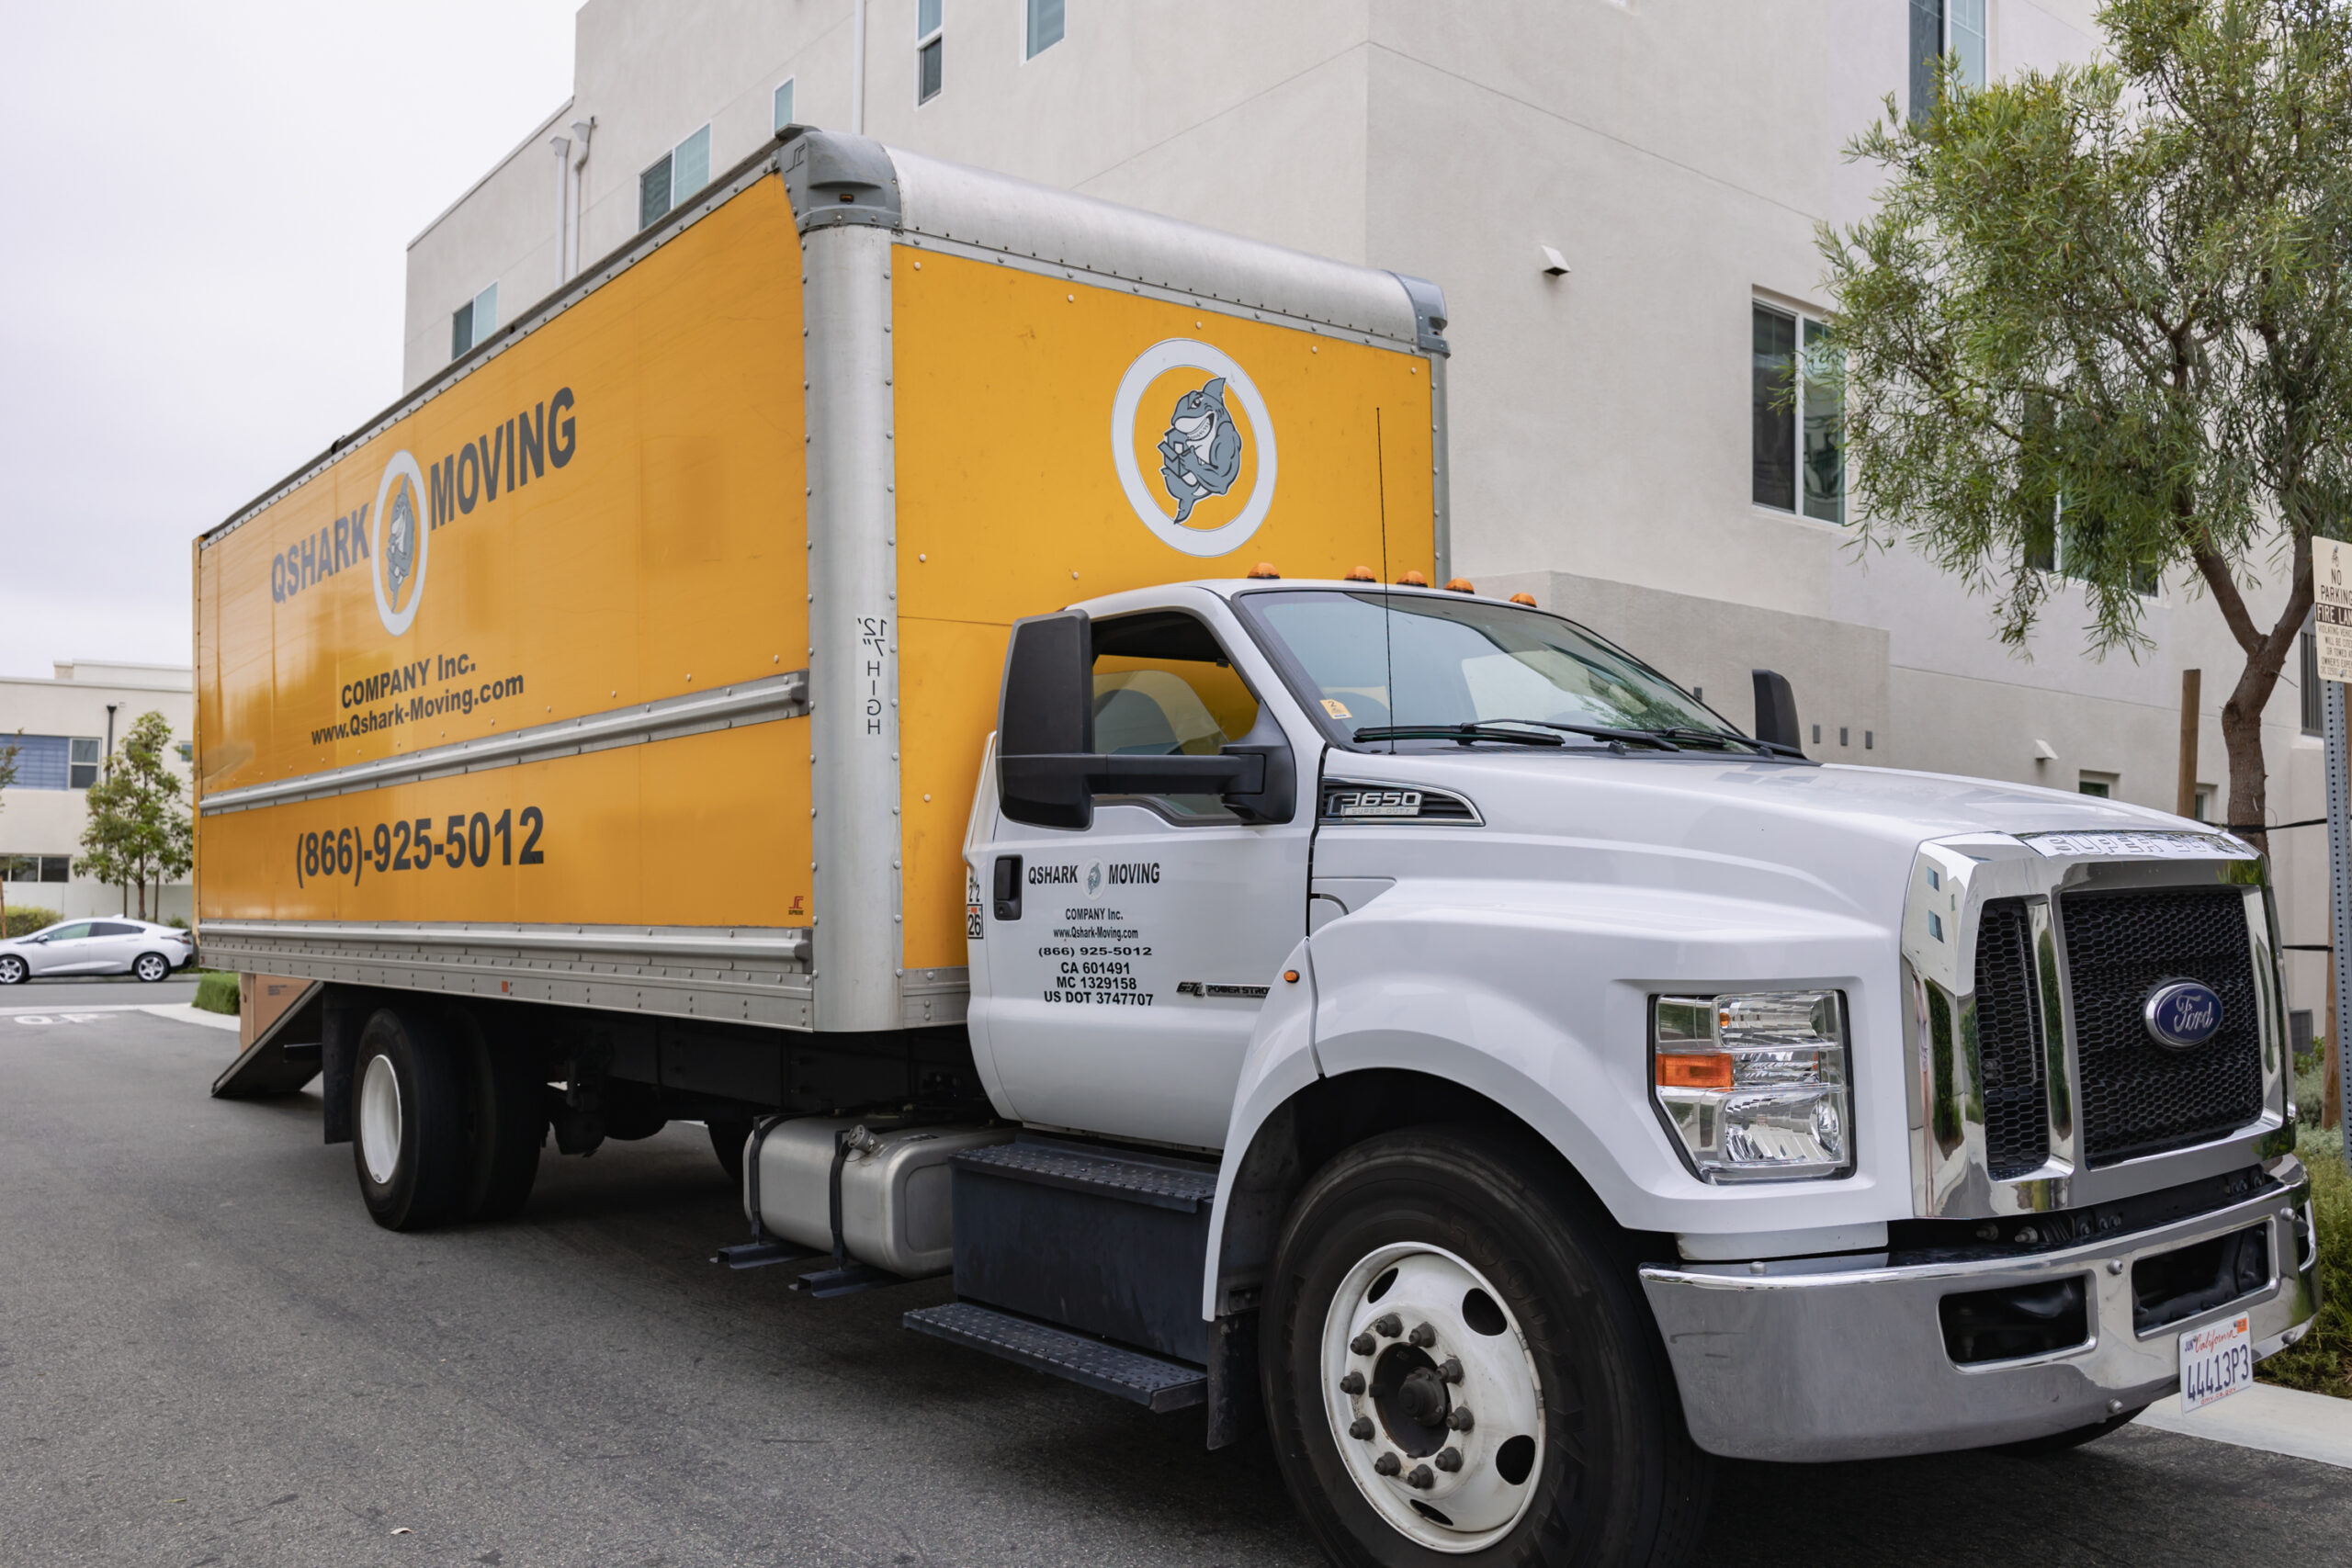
(459, 694)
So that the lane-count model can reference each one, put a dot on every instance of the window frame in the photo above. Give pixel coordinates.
(1916, 71)
(784, 101)
(927, 41)
(667, 163)
(1029, 47)
(77, 768)
(1157, 803)
(484, 304)
(1808, 327)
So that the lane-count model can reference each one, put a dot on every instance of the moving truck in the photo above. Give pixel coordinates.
(958, 687)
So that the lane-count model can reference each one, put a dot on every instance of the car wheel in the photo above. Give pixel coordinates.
(409, 1122)
(1458, 1368)
(152, 967)
(13, 970)
(506, 1121)
(728, 1136)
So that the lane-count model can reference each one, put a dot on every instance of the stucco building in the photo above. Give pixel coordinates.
(64, 727)
(1620, 199)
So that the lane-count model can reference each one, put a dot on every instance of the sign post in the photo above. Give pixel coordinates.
(2332, 633)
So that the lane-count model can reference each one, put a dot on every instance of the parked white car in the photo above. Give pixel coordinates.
(96, 947)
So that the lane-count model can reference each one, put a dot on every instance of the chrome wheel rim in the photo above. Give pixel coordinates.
(12, 969)
(152, 967)
(1434, 1403)
(380, 1120)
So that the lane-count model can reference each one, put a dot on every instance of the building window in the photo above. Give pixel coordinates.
(36, 868)
(928, 45)
(187, 749)
(1044, 25)
(55, 761)
(672, 177)
(2202, 798)
(783, 105)
(2314, 698)
(1942, 27)
(473, 322)
(1799, 413)
(82, 771)
(2099, 784)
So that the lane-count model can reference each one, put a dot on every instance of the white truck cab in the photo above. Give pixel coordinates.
(1563, 1054)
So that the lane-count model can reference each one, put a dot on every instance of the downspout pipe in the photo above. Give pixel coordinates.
(562, 145)
(581, 129)
(857, 71)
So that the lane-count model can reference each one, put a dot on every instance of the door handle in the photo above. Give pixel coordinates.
(1007, 891)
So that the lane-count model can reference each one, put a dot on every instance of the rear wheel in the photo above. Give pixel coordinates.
(409, 1122)
(152, 967)
(506, 1123)
(728, 1136)
(1458, 1368)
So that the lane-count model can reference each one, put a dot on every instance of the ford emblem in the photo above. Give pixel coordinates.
(2181, 1014)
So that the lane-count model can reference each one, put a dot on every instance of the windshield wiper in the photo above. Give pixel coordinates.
(1769, 748)
(1462, 733)
(1658, 738)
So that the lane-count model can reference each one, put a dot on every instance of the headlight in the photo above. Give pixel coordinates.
(1754, 1085)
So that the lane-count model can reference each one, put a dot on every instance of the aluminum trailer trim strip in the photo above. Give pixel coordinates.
(692, 713)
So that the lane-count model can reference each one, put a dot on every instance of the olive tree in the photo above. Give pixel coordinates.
(138, 831)
(2100, 323)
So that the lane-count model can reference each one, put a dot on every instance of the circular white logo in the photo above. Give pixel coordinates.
(1204, 451)
(399, 541)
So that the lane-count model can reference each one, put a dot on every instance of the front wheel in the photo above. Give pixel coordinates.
(13, 970)
(1458, 1366)
(152, 967)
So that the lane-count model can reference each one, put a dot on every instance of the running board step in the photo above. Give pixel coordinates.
(1157, 1384)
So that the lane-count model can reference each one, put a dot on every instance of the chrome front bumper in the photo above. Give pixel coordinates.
(1814, 1358)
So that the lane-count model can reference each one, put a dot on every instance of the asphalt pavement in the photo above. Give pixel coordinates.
(208, 1356)
(97, 990)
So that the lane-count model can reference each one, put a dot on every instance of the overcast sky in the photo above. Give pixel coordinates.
(201, 267)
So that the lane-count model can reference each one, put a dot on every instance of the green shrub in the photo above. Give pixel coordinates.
(217, 992)
(25, 918)
(2323, 1362)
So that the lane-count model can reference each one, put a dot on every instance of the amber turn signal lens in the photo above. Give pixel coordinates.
(1710, 1069)
(1291, 977)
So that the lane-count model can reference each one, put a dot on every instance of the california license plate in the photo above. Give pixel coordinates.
(2215, 1361)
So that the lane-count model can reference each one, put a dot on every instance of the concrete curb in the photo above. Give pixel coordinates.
(188, 1013)
(2276, 1420)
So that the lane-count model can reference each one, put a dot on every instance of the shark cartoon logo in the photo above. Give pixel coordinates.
(404, 546)
(400, 544)
(1218, 440)
(1201, 454)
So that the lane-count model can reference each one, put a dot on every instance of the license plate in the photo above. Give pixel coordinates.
(2215, 1361)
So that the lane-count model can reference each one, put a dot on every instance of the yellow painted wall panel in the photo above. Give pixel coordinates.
(1010, 500)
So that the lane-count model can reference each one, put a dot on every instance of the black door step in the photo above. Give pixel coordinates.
(1158, 1384)
(1132, 1178)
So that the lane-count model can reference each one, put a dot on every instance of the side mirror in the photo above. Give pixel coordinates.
(1046, 710)
(1776, 712)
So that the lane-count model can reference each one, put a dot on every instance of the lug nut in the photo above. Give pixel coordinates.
(1460, 1418)
(1420, 1480)
(1351, 1383)
(1363, 1344)
(1450, 1369)
(1423, 1335)
(1360, 1428)
(1449, 1459)
(1387, 1465)
(1388, 1327)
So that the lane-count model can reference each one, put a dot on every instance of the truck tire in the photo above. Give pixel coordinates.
(506, 1123)
(409, 1121)
(1458, 1366)
(728, 1136)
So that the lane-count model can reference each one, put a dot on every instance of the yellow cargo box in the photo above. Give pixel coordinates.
(645, 658)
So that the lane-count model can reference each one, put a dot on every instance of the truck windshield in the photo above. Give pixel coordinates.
(1375, 662)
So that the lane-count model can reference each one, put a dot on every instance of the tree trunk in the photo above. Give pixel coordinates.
(2265, 657)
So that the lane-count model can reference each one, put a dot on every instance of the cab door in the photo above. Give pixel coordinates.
(1126, 969)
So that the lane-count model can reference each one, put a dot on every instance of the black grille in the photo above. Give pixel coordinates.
(2009, 1043)
(2138, 1097)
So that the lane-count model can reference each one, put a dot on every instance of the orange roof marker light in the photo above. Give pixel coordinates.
(1412, 580)
(1459, 585)
(1526, 599)
(1362, 574)
(1265, 569)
